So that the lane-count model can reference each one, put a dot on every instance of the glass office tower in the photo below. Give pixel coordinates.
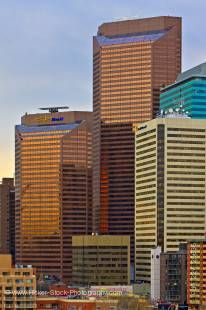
(188, 93)
(131, 60)
(53, 189)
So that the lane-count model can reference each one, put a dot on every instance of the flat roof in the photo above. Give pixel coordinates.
(46, 128)
(123, 39)
(100, 240)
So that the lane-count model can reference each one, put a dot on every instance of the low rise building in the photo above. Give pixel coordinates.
(17, 285)
(55, 303)
(173, 276)
(101, 260)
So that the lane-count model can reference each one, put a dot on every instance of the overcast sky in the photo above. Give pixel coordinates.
(46, 52)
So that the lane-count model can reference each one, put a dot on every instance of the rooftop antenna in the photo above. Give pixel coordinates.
(54, 109)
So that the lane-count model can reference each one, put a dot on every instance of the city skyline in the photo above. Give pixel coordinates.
(105, 186)
(43, 63)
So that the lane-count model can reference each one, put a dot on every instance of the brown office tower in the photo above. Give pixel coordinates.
(131, 60)
(7, 216)
(53, 189)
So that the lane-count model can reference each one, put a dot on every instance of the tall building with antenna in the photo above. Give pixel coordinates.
(53, 188)
(132, 59)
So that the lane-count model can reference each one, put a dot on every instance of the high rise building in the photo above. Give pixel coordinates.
(131, 60)
(7, 216)
(53, 189)
(196, 274)
(170, 186)
(101, 260)
(189, 92)
(17, 285)
(173, 276)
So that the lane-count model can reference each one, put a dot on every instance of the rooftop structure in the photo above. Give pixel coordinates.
(188, 92)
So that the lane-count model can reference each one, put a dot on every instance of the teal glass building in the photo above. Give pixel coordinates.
(188, 93)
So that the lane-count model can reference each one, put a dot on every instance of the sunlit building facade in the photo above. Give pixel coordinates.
(131, 60)
(196, 274)
(53, 188)
(17, 285)
(169, 186)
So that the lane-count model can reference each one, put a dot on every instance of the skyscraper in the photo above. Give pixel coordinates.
(189, 92)
(53, 188)
(131, 60)
(170, 186)
(7, 216)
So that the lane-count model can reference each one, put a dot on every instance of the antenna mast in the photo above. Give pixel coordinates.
(54, 109)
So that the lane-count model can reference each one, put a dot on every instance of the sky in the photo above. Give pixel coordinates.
(46, 53)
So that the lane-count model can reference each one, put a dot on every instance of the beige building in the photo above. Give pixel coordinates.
(169, 186)
(17, 285)
(101, 260)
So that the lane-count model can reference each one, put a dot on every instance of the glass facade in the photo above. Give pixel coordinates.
(53, 185)
(131, 60)
(173, 276)
(189, 93)
(101, 260)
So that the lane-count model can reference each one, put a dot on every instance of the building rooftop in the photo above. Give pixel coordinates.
(197, 71)
(171, 113)
(100, 240)
(27, 129)
(138, 37)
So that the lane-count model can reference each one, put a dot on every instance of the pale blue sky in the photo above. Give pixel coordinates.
(46, 52)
